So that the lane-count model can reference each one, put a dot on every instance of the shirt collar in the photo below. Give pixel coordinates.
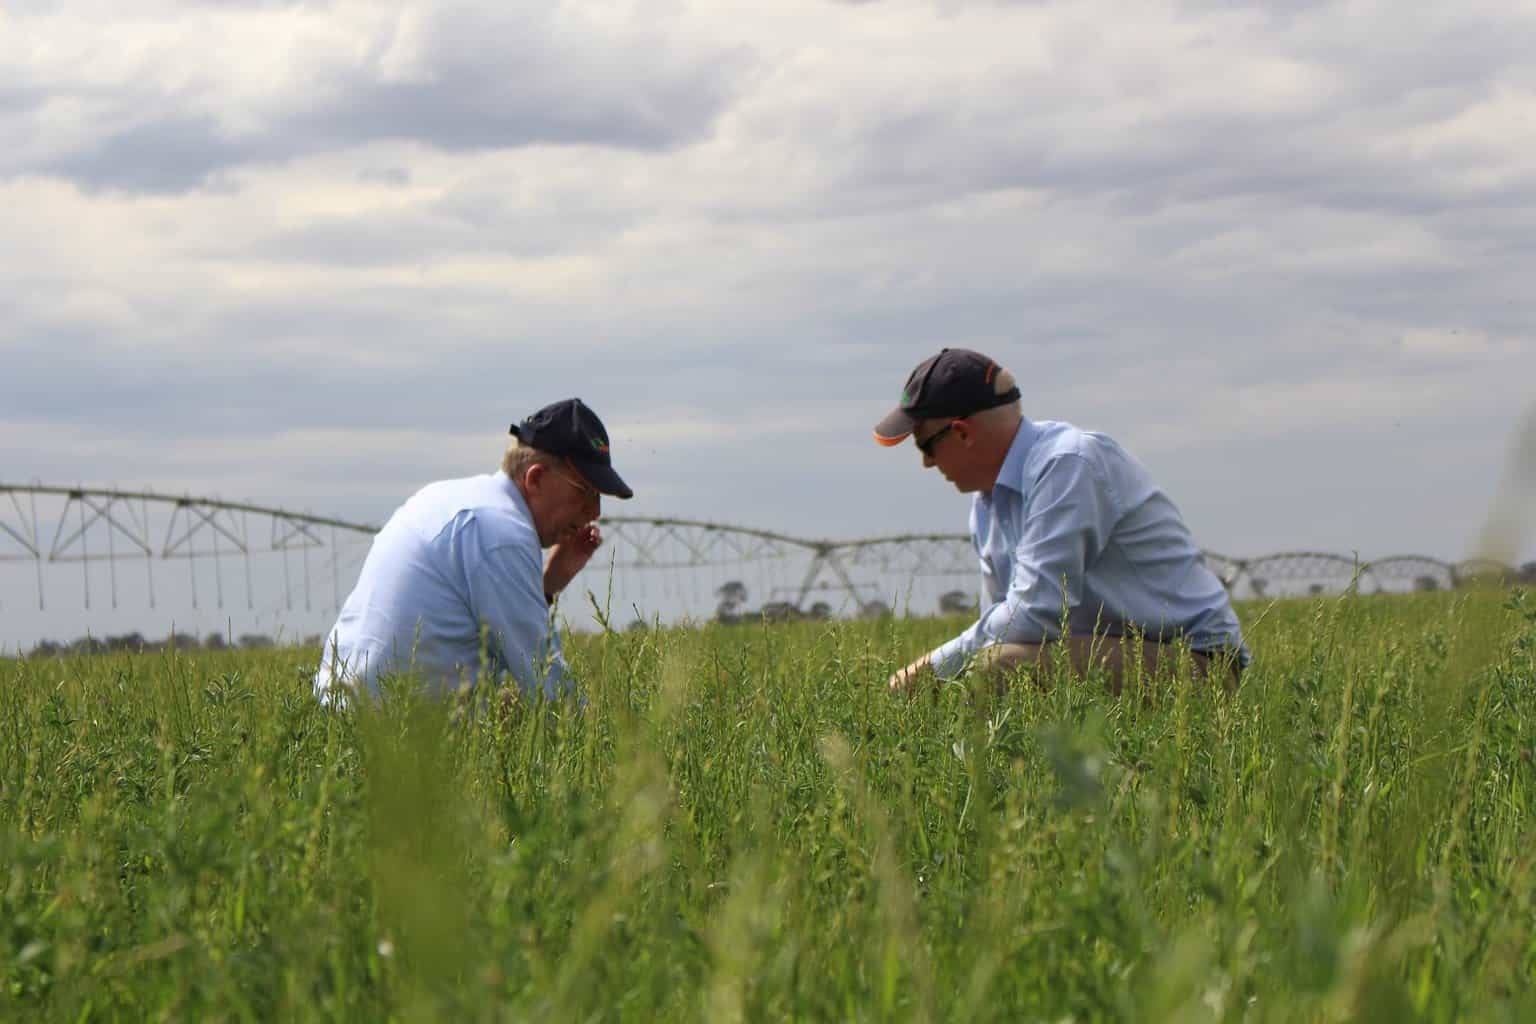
(1011, 475)
(511, 489)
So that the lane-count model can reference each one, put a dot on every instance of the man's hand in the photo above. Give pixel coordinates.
(569, 556)
(911, 677)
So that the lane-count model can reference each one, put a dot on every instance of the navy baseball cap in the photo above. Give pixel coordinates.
(570, 429)
(953, 384)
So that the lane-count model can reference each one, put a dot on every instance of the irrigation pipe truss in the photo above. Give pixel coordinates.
(106, 525)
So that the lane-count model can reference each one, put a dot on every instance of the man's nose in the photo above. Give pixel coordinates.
(928, 462)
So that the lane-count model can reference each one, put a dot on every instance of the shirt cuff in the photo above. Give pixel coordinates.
(948, 659)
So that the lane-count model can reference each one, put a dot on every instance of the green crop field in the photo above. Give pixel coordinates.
(741, 823)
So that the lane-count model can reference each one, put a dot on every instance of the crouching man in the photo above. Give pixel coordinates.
(1069, 528)
(456, 589)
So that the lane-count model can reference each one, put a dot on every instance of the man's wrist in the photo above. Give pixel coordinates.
(946, 659)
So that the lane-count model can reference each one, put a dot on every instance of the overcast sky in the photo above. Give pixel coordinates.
(318, 254)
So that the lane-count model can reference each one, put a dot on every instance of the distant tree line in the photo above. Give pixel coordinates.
(732, 607)
(136, 642)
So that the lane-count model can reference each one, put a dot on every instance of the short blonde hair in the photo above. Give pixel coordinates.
(518, 457)
(1002, 416)
(1005, 415)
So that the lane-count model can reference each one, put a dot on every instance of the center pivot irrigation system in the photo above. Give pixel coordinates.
(99, 548)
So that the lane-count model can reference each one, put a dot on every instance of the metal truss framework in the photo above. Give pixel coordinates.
(689, 543)
(93, 526)
(1325, 572)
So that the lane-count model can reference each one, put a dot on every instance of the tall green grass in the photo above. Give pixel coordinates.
(741, 823)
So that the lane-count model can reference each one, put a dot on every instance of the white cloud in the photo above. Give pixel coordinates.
(1469, 346)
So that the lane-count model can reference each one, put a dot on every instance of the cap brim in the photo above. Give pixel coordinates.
(603, 478)
(895, 428)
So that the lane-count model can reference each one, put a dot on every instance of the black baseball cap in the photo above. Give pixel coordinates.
(955, 383)
(570, 429)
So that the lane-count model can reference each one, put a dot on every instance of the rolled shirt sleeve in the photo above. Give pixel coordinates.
(507, 599)
(1067, 518)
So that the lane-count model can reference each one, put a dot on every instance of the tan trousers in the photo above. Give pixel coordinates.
(1116, 657)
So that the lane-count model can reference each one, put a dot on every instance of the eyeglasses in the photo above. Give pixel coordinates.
(589, 494)
(926, 444)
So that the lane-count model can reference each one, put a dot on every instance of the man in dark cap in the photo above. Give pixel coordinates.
(455, 588)
(1069, 528)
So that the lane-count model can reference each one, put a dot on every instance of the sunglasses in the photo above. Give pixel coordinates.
(926, 444)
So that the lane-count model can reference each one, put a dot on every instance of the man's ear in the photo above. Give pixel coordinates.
(963, 429)
(533, 477)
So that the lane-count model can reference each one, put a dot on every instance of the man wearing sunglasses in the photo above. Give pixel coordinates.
(1069, 528)
(456, 588)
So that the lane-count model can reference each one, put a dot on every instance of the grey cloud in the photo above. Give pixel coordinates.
(1021, 131)
(468, 220)
(235, 394)
(1269, 493)
(14, 99)
(371, 241)
(277, 368)
(1194, 159)
(477, 104)
(488, 80)
(1410, 68)
(384, 176)
(1280, 13)
(169, 154)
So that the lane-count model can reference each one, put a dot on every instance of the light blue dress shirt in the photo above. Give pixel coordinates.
(458, 558)
(1076, 522)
